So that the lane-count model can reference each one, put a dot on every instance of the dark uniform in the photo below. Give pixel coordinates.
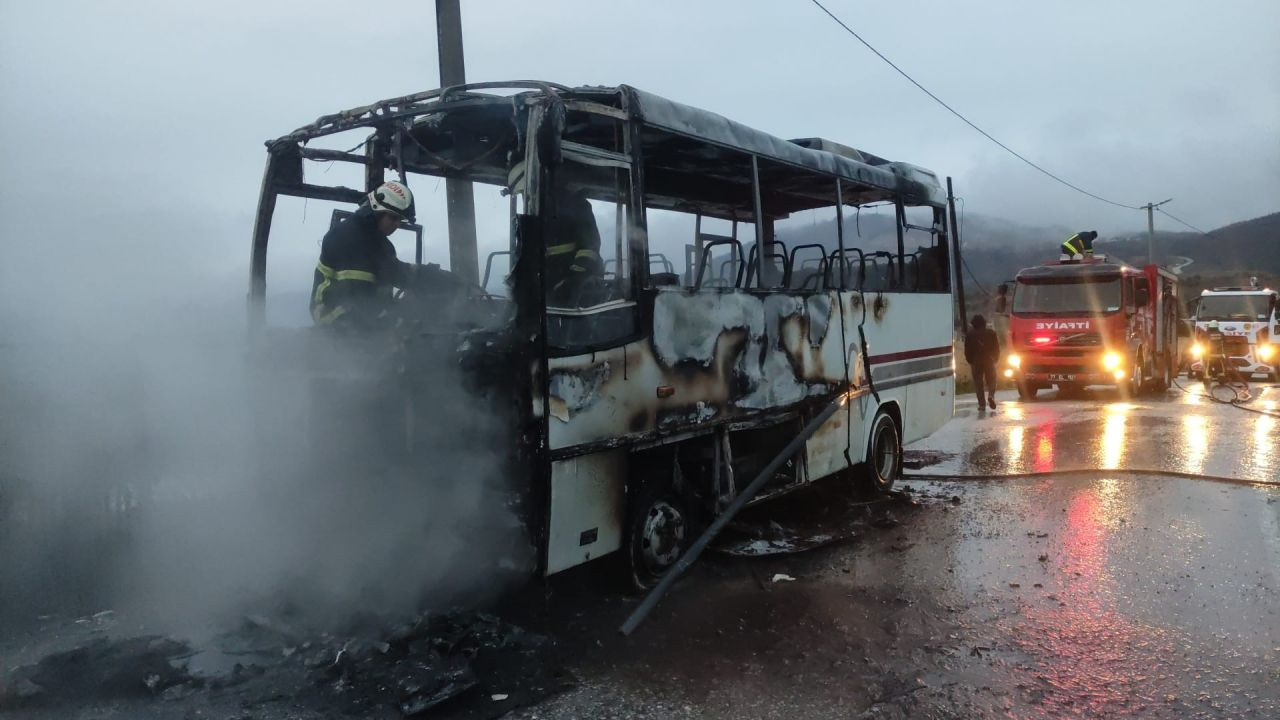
(573, 255)
(358, 268)
(982, 351)
(1080, 243)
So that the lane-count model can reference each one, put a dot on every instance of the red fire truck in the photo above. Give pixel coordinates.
(1092, 322)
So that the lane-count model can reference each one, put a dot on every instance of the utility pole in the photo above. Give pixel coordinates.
(458, 191)
(957, 260)
(1151, 229)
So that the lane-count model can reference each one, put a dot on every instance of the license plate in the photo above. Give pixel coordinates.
(1061, 378)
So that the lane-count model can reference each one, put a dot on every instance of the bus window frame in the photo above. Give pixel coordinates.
(633, 225)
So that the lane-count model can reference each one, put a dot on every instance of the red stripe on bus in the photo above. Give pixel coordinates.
(910, 354)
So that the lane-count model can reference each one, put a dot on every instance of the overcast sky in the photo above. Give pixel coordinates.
(137, 127)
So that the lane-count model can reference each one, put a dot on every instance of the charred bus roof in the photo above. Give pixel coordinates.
(463, 132)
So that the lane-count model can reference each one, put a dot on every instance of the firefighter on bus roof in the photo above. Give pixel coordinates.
(1079, 244)
(358, 268)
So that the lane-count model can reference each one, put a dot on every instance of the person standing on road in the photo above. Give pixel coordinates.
(982, 352)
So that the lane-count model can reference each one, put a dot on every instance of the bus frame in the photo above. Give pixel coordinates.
(637, 412)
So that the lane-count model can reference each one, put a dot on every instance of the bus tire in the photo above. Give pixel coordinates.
(657, 533)
(883, 465)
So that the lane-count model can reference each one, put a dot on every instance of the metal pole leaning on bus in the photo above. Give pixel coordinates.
(691, 555)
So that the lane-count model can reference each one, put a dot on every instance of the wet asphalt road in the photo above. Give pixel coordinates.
(1110, 595)
(1102, 595)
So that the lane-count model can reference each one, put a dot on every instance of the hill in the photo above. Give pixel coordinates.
(995, 249)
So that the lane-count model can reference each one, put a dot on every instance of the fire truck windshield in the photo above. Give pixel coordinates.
(1067, 298)
(1250, 308)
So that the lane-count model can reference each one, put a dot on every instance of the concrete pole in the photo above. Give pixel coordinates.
(1151, 229)
(1151, 233)
(459, 194)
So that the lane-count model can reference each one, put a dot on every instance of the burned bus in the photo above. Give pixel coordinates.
(733, 300)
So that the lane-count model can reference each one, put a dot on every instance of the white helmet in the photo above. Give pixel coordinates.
(394, 198)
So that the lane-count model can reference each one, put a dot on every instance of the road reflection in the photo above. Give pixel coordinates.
(1113, 435)
(1042, 461)
(1195, 438)
(1088, 653)
(1266, 438)
(1013, 449)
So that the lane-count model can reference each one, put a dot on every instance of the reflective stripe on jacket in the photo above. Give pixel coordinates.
(352, 283)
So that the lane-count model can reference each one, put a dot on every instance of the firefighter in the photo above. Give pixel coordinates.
(353, 281)
(982, 351)
(1079, 244)
(573, 254)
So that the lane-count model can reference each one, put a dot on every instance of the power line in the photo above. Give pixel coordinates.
(963, 261)
(973, 277)
(966, 120)
(1162, 211)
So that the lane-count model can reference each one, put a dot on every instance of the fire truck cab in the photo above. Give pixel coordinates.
(1249, 320)
(1075, 323)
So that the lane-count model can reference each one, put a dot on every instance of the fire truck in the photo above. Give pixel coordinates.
(1249, 320)
(1092, 321)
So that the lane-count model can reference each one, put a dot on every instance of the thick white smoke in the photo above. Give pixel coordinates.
(150, 465)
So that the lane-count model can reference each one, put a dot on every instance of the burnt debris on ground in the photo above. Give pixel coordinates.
(453, 665)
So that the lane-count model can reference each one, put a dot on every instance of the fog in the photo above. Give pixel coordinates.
(133, 138)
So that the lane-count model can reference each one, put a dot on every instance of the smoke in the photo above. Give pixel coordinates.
(157, 460)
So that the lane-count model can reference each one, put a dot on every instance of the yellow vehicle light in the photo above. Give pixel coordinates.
(1111, 361)
(1266, 351)
(1008, 373)
(1119, 374)
(1014, 360)
(1197, 350)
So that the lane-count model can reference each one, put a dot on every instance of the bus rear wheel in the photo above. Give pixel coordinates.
(657, 533)
(883, 465)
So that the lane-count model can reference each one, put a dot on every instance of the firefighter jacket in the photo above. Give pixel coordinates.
(352, 284)
(1080, 243)
(574, 253)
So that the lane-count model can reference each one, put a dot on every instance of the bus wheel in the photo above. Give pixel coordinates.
(657, 534)
(884, 455)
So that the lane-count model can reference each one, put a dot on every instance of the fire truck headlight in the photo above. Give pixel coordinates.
(1197, 350)
(1008, 373)
(1119, 374)
(1266, 351)
(1111, 360)
(1014, 361)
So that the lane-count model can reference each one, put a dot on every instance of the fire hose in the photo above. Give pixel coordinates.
(1089, 472)
(1237, 402)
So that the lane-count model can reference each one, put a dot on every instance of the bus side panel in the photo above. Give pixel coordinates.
(909, 342)
(930, 404)
(712, 356)
(587, 502)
